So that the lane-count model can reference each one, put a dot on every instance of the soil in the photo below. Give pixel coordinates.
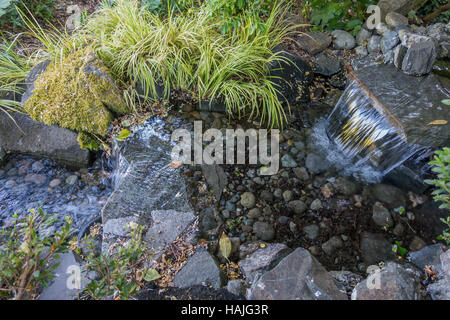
(152, 292)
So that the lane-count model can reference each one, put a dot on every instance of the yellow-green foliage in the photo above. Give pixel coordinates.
(76, 93)
(86, 141)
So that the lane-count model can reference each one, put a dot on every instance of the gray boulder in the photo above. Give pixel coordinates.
(374, 44)
(314, 42)
(440, 289)
(216, 179)
(393, 282)
(343, 40)
(394, 19)
(263, 259)
(25, 136)
(200, 269)
(299, 276)
(419, 58)
(363, 36)
(428, 256)
(326, 65)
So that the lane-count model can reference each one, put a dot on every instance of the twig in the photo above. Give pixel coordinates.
(432, 16)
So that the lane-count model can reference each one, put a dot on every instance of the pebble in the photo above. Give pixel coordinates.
(35, 178)
(54, 183)
(316, 205)
(71, 180)
(248, 200)
(263, 231)
(297, 206)
(288, 195)
(254, 213)
(288, 162)
(332, 245)
(312, 231)
(37, 166)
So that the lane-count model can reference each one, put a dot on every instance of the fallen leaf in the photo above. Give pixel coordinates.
(175, 164)
(437, 122)
(225, 245)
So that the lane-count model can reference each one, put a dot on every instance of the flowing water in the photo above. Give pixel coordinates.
(383, 119)
(27, 183)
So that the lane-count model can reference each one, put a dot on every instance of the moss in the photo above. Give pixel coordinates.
(78, 94)
(88, 142)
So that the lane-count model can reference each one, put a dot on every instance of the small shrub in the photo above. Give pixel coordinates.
(28, 254)
(42, 9)
(331, 14)
(441, 166)
(121, 273)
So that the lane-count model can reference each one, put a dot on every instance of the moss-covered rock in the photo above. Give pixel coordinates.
(76, 93)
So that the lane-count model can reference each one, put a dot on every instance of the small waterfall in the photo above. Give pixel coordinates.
(367, 133)
(385, 117)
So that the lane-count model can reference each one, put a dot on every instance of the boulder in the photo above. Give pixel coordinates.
(299, 276)
(94, 97)
(200, 269)
(393, 282)
(263, 259)
(25, 136)
(394, 19)
(440, 289)
(314, 42)
(419, 58)
(400, 6)
(363, 36)
(343, 40)
(428, 256)
(326, 65)
(374, 44)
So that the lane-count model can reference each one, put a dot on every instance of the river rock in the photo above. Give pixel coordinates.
(381, 216)
(388, 194)
(297, 206)
(301, 173)
(314, 42)
(311, 231)
(299, 276)
(399, 55)
(345, 186)
(333, 244)
(393, 282)
(361, 51)
(326, 65)
(200, 269)
(400, 6)
(417, 244)
(236, 287)
(263, 231)
(363, 36)
(394, 19)
(248, 200)
(389, 41)
(343, 40)
(288, 162)
(375, 248)
(374, 44)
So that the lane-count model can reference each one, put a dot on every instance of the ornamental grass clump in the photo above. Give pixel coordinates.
(188, 51)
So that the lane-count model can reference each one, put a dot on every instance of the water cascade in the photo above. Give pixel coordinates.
(385, 117)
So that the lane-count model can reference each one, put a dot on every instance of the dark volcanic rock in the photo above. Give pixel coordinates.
(26, 136)
(375, 248)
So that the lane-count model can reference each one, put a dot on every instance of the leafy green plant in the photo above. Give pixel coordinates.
(121, 273)
(430, 6)
(28, 254)
(441, 166)
(331, 14)
(9, 15)
(398, 249)
(445, 236)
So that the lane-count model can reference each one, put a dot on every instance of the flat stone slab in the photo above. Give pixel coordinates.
(410, 103)
(166, 226)
(147, 191)
(25, 136)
